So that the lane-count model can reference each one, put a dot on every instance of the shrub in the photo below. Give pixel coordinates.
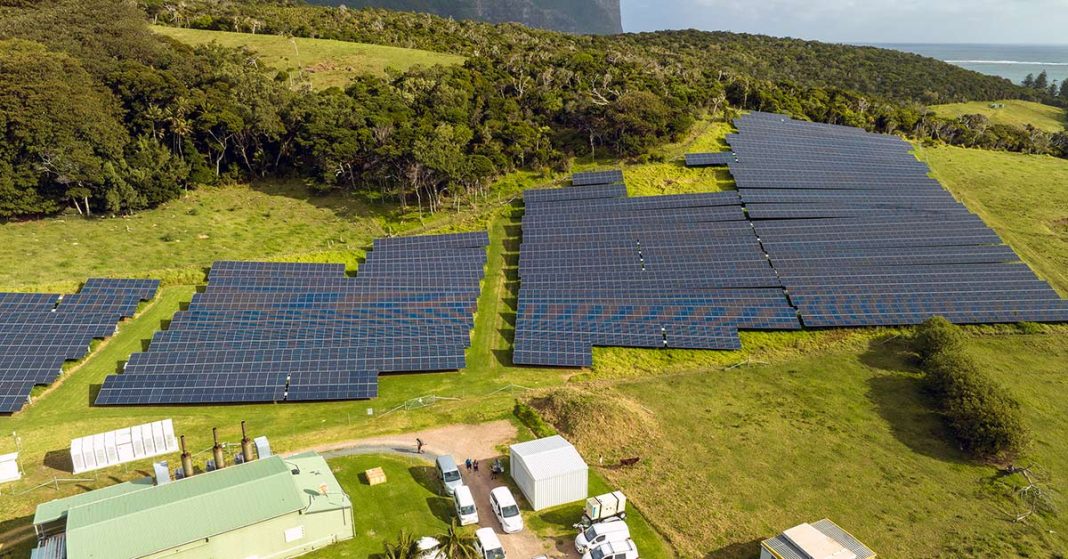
(529, 417)
(984, 418)
(937, 335)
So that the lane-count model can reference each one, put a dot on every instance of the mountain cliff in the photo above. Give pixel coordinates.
(600, 17)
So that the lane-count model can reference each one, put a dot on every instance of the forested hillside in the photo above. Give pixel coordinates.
(99, 114)
(571, 16)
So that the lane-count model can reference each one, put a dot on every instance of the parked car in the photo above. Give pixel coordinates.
(597, 534)
(449, 473)
(488, 545)
(613, 550)
(464, 503)
(507, 511)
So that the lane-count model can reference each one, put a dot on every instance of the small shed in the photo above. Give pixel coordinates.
(818, 540)
(549, 472)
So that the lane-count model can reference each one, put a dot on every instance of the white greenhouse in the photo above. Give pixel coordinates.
(549, 472)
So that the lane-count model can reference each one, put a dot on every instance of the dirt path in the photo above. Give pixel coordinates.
(477, 442)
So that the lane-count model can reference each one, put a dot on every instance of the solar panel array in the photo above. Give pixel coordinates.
(600, 269)
(40, 331)
(273, 332)
(592, 178)
(715, 159)
(861, 235)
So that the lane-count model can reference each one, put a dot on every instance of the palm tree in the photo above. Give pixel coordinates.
(457, 543)
(405, 547)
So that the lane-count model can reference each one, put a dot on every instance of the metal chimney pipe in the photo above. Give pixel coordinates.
(246, 444)
(217, 450)
(187, 462)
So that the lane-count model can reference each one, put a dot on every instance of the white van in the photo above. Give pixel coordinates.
(488, 544)
(464, 503)
(506, 510)
(449, 473)
(613, 550)
(597, 534)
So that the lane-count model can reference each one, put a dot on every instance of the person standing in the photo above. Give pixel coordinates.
(419, 444)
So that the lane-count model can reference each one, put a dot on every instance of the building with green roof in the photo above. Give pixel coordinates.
(273, 508)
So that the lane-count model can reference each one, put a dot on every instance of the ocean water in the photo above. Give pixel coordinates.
(1008, 61)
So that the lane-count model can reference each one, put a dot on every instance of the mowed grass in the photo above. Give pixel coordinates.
(1014, 113)
(327, 63)
(410, 500)
(740, 455)
(1022, 197)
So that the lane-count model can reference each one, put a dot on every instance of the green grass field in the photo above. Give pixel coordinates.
(731, 457)
(1023, 197)
(1014, 113)
(327, 63)
(743, 450)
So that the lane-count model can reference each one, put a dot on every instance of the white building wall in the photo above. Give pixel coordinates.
(561, 489)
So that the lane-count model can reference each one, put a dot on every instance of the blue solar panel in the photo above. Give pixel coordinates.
(274, 332)
(39, 331)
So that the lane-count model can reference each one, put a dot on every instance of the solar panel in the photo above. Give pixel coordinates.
(40, 331)
(592, 178)
(290, 332)
(721, 159)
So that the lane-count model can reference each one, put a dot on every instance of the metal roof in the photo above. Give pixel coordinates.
(314, 476)
(782, 548)
(56, 509)
(549, 457)
(143, 522)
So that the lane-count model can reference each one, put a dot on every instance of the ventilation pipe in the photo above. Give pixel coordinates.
(246, 445)
(217, 450)
(187, 462)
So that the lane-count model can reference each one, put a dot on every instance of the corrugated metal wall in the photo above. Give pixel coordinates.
(561, 489)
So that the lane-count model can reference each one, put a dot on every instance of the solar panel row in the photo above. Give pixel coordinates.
(272, 332)
(860, 235)
(39, 331)
(600, 269)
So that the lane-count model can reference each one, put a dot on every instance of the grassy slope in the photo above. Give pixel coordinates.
(327, 63)
(1023, 197)
(1015, 113)
(47, 426)
(742, 454)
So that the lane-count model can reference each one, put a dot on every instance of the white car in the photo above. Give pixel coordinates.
(464, 503)
(488, 545)
(597, 534)
(613, 550)
(507, 511)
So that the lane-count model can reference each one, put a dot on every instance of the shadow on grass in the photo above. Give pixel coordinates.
(889, 354)
(59, 460)
(426, 476)
(900, 400)
(441, 507)
(18, 529)
(744, 550)
(94, 391)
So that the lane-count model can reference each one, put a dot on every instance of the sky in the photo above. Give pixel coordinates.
(863, 21)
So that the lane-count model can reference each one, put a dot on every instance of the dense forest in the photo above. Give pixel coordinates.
(571, 16)
(101, 115)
